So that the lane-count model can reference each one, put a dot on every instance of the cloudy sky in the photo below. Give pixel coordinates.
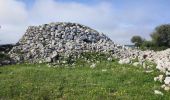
(118, 19)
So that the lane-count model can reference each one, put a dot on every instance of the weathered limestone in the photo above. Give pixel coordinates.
(56, 41)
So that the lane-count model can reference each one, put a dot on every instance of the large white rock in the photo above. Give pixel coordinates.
(167, 73)
(109, 59)
(136, 64)
(48, 59)
(93, 65)
(159, 78)
(124, 61)
(158, 92)
(167, 88)
(160, 66)
(167, 80)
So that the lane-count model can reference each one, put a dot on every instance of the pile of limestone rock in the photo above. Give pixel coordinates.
(160, 58)
(162, 61)
(55, 41)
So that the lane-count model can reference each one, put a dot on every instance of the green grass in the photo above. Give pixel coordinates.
(79, 82)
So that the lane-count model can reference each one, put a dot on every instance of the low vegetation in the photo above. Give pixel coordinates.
(106, 81)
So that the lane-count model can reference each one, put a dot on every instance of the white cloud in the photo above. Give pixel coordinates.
(46, 11)
(118, 24)
(12, 12)
(11, 33)
(102, 17)
(13, 20)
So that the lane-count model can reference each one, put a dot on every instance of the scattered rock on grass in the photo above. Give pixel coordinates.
(149, 71)
(93, 65)
(167, 80)
(158, 92)
(124, 61)
(165, 87)
(104, 70)
(159, 78)
(136, 64)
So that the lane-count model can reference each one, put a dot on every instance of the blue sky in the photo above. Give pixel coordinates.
(118, 19)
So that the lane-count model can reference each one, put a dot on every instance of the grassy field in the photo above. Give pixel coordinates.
(107, 81)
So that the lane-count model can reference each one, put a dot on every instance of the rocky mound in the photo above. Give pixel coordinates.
(51, 42)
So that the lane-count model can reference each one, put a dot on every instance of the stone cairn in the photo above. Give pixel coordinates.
(51, 42)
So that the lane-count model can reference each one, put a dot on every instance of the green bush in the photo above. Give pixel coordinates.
(160, 39)
(150, 45)
(161, 35)
(147, 45)
(137, 40)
